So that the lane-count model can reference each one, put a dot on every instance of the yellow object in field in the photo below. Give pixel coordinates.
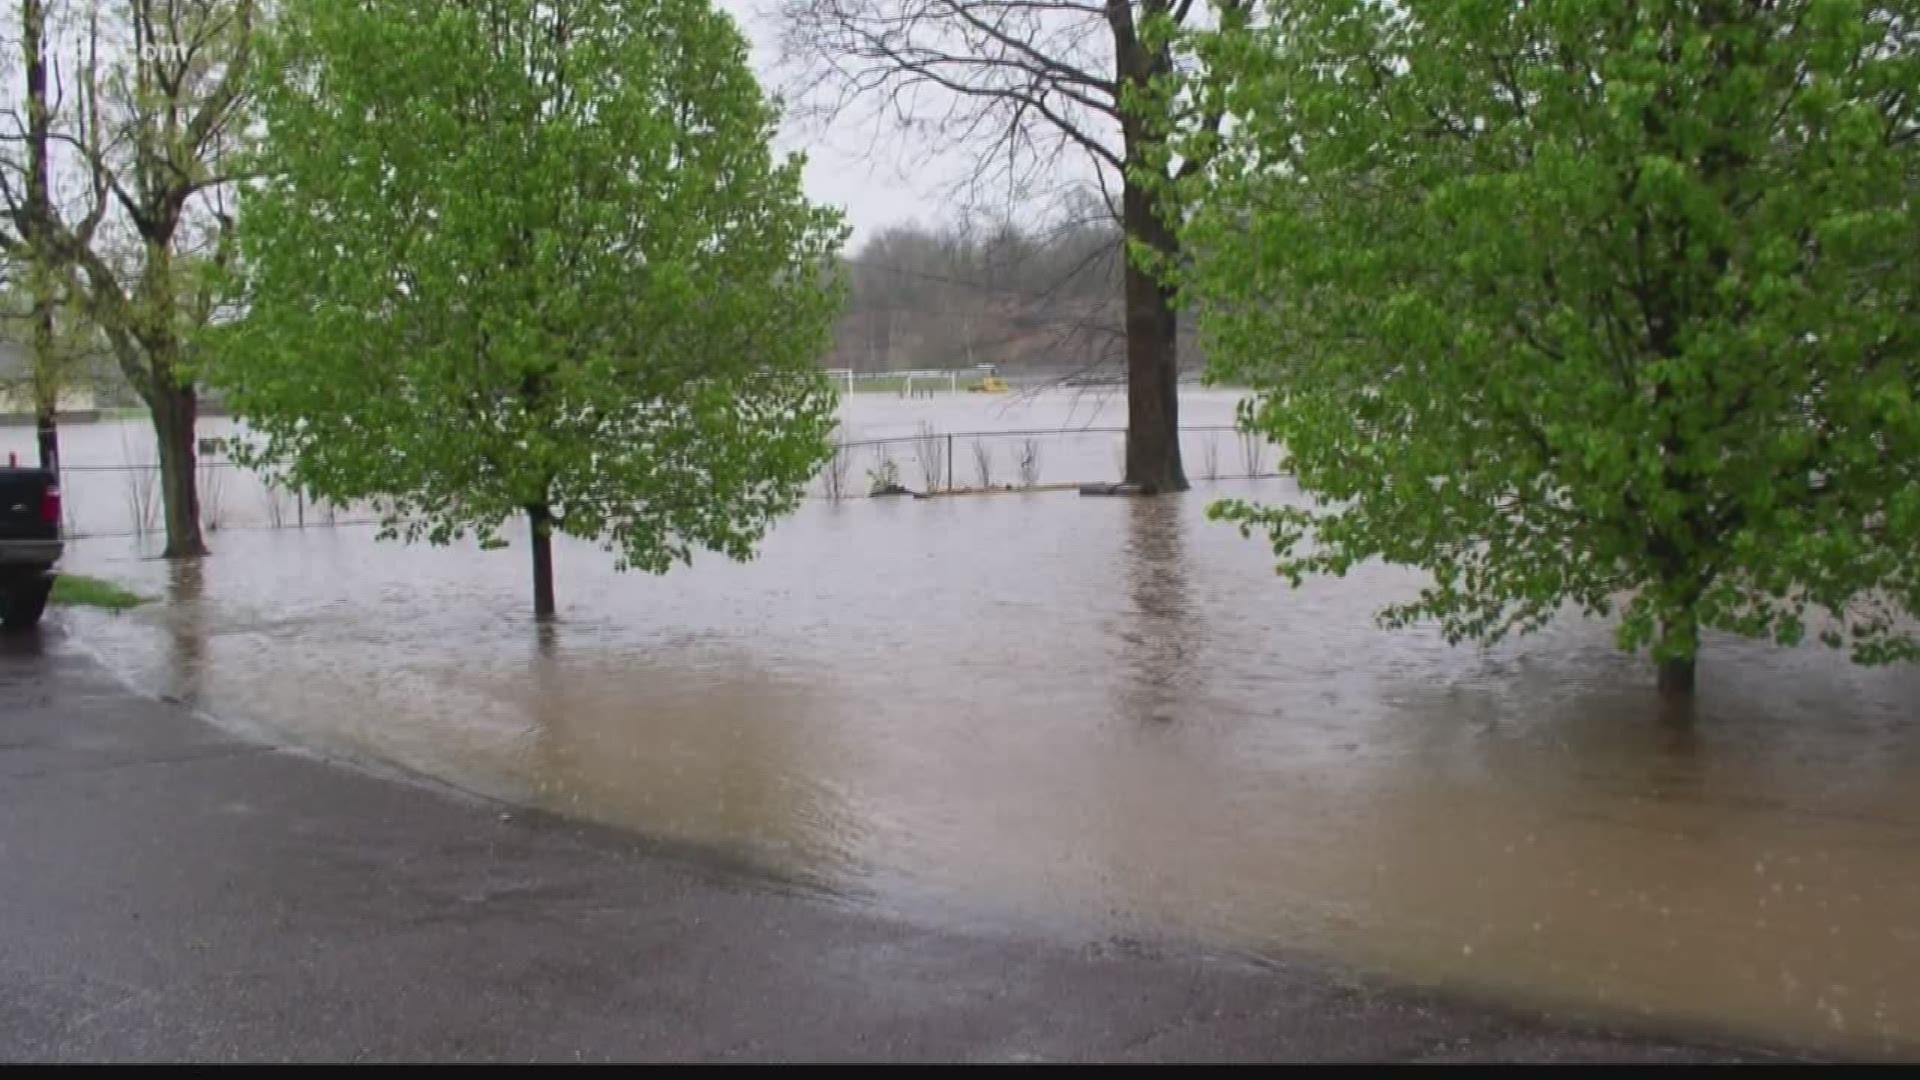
(992, 384)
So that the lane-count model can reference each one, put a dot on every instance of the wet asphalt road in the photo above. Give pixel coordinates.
(170, 891)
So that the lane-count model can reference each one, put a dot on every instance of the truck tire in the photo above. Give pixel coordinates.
(23, 601)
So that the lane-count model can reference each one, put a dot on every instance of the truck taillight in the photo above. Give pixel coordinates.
(50, 506)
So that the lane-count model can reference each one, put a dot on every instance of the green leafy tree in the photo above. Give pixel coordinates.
(41, 318)
(1581, 302)
(532, 257)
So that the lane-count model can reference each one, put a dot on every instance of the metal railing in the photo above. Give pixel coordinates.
(913, 383)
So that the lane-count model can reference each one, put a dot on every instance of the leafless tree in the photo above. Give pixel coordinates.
(1020, 296)
(1046, 95)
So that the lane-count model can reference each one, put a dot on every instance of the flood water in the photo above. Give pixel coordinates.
(1106, 717)
(112, 489)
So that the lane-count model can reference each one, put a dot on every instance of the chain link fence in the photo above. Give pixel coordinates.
(124, 500)
(933, 461)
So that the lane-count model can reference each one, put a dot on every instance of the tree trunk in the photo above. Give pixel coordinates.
(1153, 403)
(47, 380)
(1676, 678)
(1153, 398)
(540, 526)
(46, 434)
(176, 411)
(47, 373)
(1676, 673)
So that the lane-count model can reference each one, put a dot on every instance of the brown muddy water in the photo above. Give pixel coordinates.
(1106, 717)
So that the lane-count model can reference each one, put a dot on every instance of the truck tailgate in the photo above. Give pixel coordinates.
(21, 493)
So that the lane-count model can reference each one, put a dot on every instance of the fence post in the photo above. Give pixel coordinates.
(949, 461)
(300, 509)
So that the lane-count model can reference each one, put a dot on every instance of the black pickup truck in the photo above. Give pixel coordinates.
(29, 544)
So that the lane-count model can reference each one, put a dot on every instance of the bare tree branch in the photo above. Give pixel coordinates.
(1037, 93)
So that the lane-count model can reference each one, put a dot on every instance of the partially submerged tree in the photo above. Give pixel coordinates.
(145, 123)
(533, 257)
(26, 181)
(1046, 93)
(1585, 303)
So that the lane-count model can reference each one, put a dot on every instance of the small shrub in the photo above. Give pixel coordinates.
(213, 482)
(1029, 464)
(276, 502)
(141, 481)
(930, 448)
(834, 474)
(1252, 452)
(885, 473)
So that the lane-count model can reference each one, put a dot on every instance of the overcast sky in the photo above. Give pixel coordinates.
(876, 186)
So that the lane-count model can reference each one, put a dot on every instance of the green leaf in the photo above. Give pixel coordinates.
(525, 255)
(1578, 304)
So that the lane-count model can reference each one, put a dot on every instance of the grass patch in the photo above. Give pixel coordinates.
(76, 590)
